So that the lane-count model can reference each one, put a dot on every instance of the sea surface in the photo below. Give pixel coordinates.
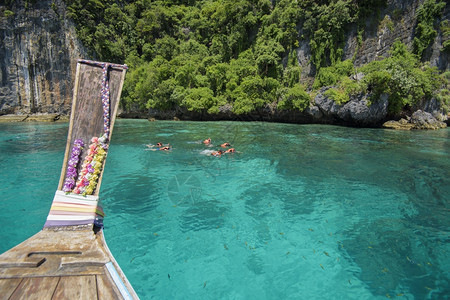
(298, 212)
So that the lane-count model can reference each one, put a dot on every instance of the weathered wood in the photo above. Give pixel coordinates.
(76, 287)
(39, 288)
(8, 286)
(71, 260)
(25, 263)
(87, 111)
(105, 290)
(113, 121)
(77, 251)
(72, 115)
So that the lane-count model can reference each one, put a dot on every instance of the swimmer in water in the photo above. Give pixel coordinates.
(157, 145)
(207, 141)
(217, 153)
(224, 145)
(231, 150)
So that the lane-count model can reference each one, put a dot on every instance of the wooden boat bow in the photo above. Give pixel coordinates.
(69, 258)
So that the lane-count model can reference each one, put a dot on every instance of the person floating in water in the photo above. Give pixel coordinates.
(159, 146)
(217, 153)
(231, 150)
(224, 145)
(207, 141)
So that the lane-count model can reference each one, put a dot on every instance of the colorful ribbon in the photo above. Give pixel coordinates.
(70, 210)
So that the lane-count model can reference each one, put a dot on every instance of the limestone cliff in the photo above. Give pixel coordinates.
(39, 49)
(396, 21)
(38, 56)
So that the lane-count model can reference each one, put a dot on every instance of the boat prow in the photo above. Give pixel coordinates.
(69, 258)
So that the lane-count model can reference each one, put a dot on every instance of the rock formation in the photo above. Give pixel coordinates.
(419, 120)
(39, 49)
(38, 56)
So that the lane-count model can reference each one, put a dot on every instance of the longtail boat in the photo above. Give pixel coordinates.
(69, 258)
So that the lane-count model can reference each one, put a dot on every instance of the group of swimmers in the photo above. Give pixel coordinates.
(159, 146)
(220, 151)
(168, 147)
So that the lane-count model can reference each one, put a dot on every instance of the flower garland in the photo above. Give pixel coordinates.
(72, 173)
(92, 166)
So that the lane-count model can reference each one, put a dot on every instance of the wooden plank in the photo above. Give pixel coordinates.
(114, 110)
(87, 110)
(106, 289)
(39, 288)
(8, 286)
(69, 134)
(29, 262)
(76, 287)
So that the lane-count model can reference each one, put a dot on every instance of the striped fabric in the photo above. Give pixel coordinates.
(72, 209)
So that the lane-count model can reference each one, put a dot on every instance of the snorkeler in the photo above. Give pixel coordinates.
(217, 153)
(231, 150)
(207, 141)
(224, 145)
(159, 146)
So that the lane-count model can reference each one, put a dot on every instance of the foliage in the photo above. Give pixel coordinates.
(402, 77)
(203, 54)
(331, 75)
(425, 29)
(342, 92)
(445, 28)
(338, 95)
(8, 13)
(294, 97)
(444, 94)
(328, 31)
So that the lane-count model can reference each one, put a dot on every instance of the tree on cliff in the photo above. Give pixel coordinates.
(203, 54)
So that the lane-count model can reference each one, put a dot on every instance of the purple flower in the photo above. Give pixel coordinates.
(73, 162)
(78, 142)
(71, 172)
(76, 152)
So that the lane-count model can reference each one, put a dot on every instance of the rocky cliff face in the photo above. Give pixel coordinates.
(396, 21)
(38, 56)
(39, 49)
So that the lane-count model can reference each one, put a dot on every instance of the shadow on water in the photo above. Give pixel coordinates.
(207, 215)
(395, 259)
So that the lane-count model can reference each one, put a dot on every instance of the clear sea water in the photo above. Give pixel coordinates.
(300, 212)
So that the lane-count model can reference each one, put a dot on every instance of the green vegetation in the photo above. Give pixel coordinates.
(8, 13)
(444, 94)
(204, 54)
(402, 76)
(445, 28)
(426, 25)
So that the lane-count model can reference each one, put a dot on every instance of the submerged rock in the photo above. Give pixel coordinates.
(419, 120)
(425, 120)
(402, 124)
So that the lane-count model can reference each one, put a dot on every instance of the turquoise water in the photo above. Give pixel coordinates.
(300, 212)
